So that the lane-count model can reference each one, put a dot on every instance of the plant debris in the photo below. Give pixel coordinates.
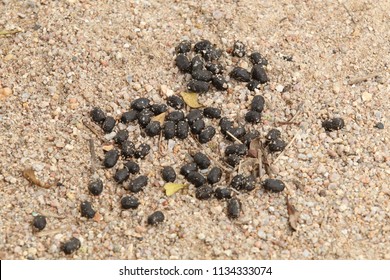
(191, 99)
(172, 188)
(29, 174)
(293, 215)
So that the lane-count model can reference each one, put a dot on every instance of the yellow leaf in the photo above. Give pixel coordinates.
(159, 118)
(191, 99)
(171, 188)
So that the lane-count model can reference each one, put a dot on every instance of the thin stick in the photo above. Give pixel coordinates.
(288, 145)
(234, 137)
(349, 13)
(362, 79)
(91, 128)
(93, 155)
(259, 156)
(5, 33)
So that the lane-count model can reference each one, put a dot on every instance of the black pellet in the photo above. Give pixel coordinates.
(249, 183)
(252, 85)
(137, 184)
(156, 218)
(276, 145)
(202, 75)
(379, 125)
(202, 45)
(183, 63)
(236, 149)
(221, 193)
(194, 115)
(142, 151)
(248, 137)
(39, 222)
(204, 192)
(233, 160)
(153, 128)
(71, 246)
(129, 116)
(111, 158)
(127, 149)
(175, 102)
(237, 182)
(196, 179)
(237, 132)
(197, 63)
(240, 74)
(206, 135)
(258, 73)
(121, 136)
(87, 210)
(233, 208)
(121, 175)
(168, 174)
(145, 117)
(108, 124)
(225, 124)
(257, 103)
(97, 115)
(211, 54)
(239, 49)
(182, 130)
(132, 166)
(197, 126)
(183, 47)
(215, 68)
(273, 185)
(272, 135)
(158, 109)
(212, 113)
(129, 202)
(175, 116)
(202, 160)
(253, 117)
(333, 124)
(169, 129)
(198, 86)
(95, 187)
(256, 58)
(188, 168)
(140, 103)
(219, 83)
(214, 175)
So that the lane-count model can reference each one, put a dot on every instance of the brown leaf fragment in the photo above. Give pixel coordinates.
(160, 118)
(293, 215)
(254, 146)
(29, 174)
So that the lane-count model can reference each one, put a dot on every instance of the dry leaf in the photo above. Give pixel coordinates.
(191, 99)
(29, 174)
(171, 188)
(293, 215)
(254, 146)
(159, 118)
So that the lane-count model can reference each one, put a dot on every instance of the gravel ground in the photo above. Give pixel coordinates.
(73, 55)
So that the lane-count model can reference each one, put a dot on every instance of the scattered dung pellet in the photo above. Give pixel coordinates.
(206, 135)
(219, 82)
(211, 54)
(272, 135)
(194, 115)
(273, 185)
(169, 129)
(97, 115)
(256, 58)
(215, 68)
(140, 103)
(175, 102)
(108, 124)
(142, 151)
(121, 136)
(129, 116)
(240, 74)
(276, 145)
(156, 218)
(183, 47)
(158, 109)
(212, 113)
(236, 149)
(95, 187)
(127, 149)
(121, 175)
(258, 73)
(198, 86)
(214, 175)
(202, 45)
(197, 63)
(233, 160)
(188, 168)
(145, 117)
(225, 124)
(168, 174)
(39, 222)
(204, 192)
(153, 129)
(379, 125)
(202, 75)
(253, 84)
(237, 182)
(182, 130)
(253, 117)
(129, 202)
(111, 158)
(237, 132)
(175, 116)
(249, 183)
(87, 210)
(132, 166)
(202, 160)
(233, 208)
(196, 179)
(71, 246)
(333, 124)
(257, 103)
(248, 137)
(183, 63)
(137, 184)
(239, 49)
(223, 193)
(197, 126)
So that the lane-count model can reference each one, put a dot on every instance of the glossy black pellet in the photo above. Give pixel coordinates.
(132, 166)
(142, 151)
(237, 182)
(194, 115)
(87, 210)
(197, 126)
(240, 74)
(196, 179)
(198, 86)
(111, 158)
(71, 246)
(39, 222)
(276, 145)
(97, 115)
(249, 183)
(95, 187)
(182, 130)
(145, 117)
(222, 193)
(140, 103)
(239, 49)
(379, 125)
(258, 73)
(225, 124)
(129, 116)
(204, 192)
(108, 124)
(169, 129)
(127, 149)
(175, 116)
(215, 68)
(237, 132)
(257, 103)
(233, 208)
(175, 102)
(274, 185)
(248, 137)
(256, 58)
(202, 160)
(272, 135)
(188, 168)
(252, 85)
(214, 175)
(137, 184)
(219, 83)
(211, 54)
(168, 174)
(236, 149)
(206, 135)
(333, 124)
(197, 63)
(182, 62)
(212, 113)
(121, 136)
(183, 47)
(202, 45)
(156, 218)
(121, 175)
(233, 160)
(158, 109)
(253, 117)
(153, 128)
(129, 202)
(202, 75)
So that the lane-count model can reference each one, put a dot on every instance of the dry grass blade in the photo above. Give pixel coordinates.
(293, 215)
(285, 149)
(6, 33)
(91, 127)
(29, 174)
(234, 137)
(362, 79)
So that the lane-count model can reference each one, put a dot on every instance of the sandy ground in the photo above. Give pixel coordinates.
(73, 55)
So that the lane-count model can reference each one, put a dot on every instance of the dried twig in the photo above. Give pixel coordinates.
(288, 146)
(93, 156)
(91, 128)
(234, 137)
(260, 159)
(6, 33)
(362, 79)
(349, 13)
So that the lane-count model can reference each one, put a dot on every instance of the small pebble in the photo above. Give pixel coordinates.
(222, 193)
(121, 136)
(140, 103)
(121, 175)
(71, 246)
(129, 116)
(111, 158)
(168, 174)
(239, 49)
(95, 187)
(240, 74)
(142, 151)
(258, 73)
(233, 208)
(212, 113)
(108, 124)
(202, 160)
(333, 124)
(132, 166)
(182, 129)
(98, 116)
(137, 184)
(39, 222)
(196, 179)
(87, 210)
(156, 218)
(273, 185)
(175, 102)
(206, 135)
(204, 192)
(169, 129)
(153, 129)
(198, 86)
(253, 117)
(214, 175)
(129, 202)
